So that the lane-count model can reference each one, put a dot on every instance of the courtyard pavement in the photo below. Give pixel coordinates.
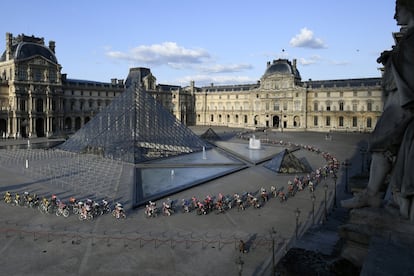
(183, 244)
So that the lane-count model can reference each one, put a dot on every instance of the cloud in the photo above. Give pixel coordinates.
(166, 53)
(309, 61)
(229, 68)
(204, 80)
(305, 39)
(339, 63)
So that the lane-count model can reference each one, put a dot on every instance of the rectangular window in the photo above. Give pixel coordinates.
(315, 120)
(211, 118)
(354, 121)
(369, 122)
(328, 121)
(37, 75)
(245, 119)
(341, 106)
(341, 121)
(52, 76)
(22, 73)
(22, 105)
(369, 106)
(276, 107)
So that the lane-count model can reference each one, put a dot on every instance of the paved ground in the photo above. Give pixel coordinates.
(183, 244)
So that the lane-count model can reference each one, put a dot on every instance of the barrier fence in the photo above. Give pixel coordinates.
(138, 240)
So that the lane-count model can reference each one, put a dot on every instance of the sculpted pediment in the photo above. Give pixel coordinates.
(38, 61)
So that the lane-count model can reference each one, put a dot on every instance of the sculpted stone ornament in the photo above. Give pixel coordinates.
(392, 141)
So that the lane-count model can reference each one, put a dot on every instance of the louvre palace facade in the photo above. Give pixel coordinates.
(37, 100)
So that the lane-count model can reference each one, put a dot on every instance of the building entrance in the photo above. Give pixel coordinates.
(40, 127)
(276, 121)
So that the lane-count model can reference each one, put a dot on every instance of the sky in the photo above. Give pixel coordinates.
(222, 42)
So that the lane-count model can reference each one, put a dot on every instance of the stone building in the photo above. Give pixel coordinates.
(280, 100)
(36, 99)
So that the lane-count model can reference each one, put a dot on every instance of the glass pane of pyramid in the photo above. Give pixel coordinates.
(134, 128)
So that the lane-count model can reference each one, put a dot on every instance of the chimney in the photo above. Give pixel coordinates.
(9, 42)
(52, 46)
(294, 64)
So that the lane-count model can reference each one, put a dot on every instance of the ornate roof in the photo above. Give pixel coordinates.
(26, 49)
(281, 67)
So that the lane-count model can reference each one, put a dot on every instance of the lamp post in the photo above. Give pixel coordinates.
(297, 213)
(335, 177)
(313, 208)
(346, 165)
(326, 208)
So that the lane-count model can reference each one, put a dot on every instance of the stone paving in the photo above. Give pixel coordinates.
(183, 244)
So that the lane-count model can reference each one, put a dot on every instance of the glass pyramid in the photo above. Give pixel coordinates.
(287, 162)
(134, 128)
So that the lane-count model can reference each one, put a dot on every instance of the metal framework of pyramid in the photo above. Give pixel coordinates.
(210, 134)
(134, 128)
(287, 162)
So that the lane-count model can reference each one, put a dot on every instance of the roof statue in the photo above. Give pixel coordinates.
(134, 128)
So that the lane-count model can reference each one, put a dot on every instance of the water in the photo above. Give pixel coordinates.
(29, 145)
